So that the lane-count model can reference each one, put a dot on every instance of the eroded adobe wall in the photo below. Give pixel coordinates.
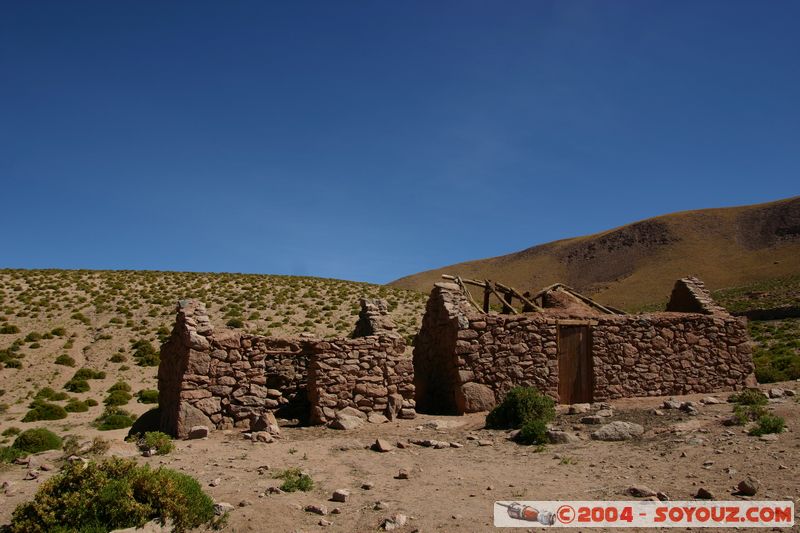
(229, 378)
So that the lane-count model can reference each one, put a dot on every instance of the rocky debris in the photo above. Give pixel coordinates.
(215, 482)
(579, 408)
(245, 503)
(485, 442)
(662, 496)
(618, 430)
(704, 494)
(769, 437)
(402, 474)
(456, 445)
(324, 523)
(748, 486)
(382, 445)
(340, 495)
(220, 508)
(789, 392)
(273, 490)
(657, 412)
(380, 506)
(267, 422)
(316, 509)
(336, 510)
(711, 400)
(393, 522)
(368, 485)
(345, 422)
(776, 392)
(432, 443)
(641, 491)
(377, 418)
(605, 413)
(672, 403)
(475, 397)
(7, 487)
(592, 419)
(46, 467)
(689, 408)
(556, 436)
(31, 475)
(154, 526)
(407, 413)
(198, 432)
(262, 436)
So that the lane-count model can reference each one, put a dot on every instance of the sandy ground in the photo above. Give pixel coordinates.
(453, 489)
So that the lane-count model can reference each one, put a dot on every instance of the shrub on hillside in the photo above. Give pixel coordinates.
(155, 440)
(148, 396)
(521, 405)
(41, 410)
(749, 397)
(113, 494)
(8, 329)
(294, 479)
(114, 418)
(145, 354)
(532, 432)
(117, 397)
(37, 440)
(235, 322)
(65, 360)
(768, 423)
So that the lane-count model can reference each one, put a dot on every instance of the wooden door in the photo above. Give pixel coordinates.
(575, 372)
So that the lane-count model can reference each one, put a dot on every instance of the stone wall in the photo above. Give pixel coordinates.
(230, 378)
(466, 361)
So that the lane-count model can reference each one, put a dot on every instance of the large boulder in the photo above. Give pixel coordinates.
(475, 398)
(345, 422)
(618, 430)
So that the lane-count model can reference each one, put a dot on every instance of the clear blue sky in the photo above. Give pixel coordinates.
(369, 140)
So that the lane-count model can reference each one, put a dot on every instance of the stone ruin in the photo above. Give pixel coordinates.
(464, 360)
(576, 350)
(231, 379)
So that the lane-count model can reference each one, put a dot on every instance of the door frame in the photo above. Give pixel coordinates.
(589, 358)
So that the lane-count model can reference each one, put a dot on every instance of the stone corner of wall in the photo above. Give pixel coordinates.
(690, 294)
(375, 319)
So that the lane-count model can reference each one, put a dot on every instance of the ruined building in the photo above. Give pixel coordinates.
(464, 360)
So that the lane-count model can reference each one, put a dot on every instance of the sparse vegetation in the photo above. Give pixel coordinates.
(768, 423)
(156, 440)
(521, 405)
(37, 440)
(114, 418)
(294, 479)
(113, 494)
(41, 410)
(147, 396)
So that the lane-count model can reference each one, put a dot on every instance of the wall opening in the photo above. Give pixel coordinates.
(575, 368)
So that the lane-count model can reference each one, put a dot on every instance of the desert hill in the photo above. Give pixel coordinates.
(634, 266)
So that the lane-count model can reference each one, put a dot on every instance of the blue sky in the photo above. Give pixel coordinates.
(370, 140)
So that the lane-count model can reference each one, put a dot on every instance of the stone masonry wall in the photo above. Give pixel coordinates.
(466, 361)
(230, 378)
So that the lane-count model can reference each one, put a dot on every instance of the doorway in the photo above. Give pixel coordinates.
(575, 369)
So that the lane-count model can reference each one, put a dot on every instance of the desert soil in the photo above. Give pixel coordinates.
(453, 489)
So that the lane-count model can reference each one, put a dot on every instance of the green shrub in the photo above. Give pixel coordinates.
(41, 410)
(37, 440)
(58, 332)
(76, 406)
(114, 418)
(121, 386)
(521, 404)
(91, 402)
(768, 423)
(155, 440)
(9, 453)
(8, 329)
(117, 397)
(10, 432)
(118, 358)
(749, 397)
(742, 413)
(532, 432)
(144, 354)
(46, 393)
(88, 373)
(147, 396)
(113, 494)
(65, 360)
(33, 337)
(235, 322)
(13, 363)
(77, 385)
(294, 479)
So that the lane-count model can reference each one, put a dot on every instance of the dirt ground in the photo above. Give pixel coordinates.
(453, 489)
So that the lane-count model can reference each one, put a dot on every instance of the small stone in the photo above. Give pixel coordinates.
(263, 436)
(340, 495)
(377, 418)
(316, 509)
(662, 496)
(47, 467)
(560, 437)
(748, 486)
(704, 494)
(32, 474)
(198, 432)
(215, 482)
(484, 442)
(657, 412)
(382, 445)
(7, 487)
(439, 445)
(769, 437)
(592, 419)
(402, 474)
(618, 430)
(380, 506)
(710, 400)
(336, 510)
(245, 503)
(776, 393)
(394, 522)
(220, 508)
(672, 403)
(641, 491)
(579, 408)
(368, 485)
(324, 523)
(346, 422)
(456, 445)
(789, 392)
(605, 413)
(274, 490)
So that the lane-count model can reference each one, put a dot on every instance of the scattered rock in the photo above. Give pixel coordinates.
(672, 403)
(789, 392)
(556, 436)
(769, 437)
(346, 422)
(485, 442)
(592, 419)
(704, 494)
(382, 445)
(262, 436)
(47, 467)
(662, 496)
(579, 408)
(475, 397)
(456, 445)
(368, 485)
(657, 412)
(215, 482)
(689, 408)
(220, 508)
(336, 510)
(618, 430)
(7, 487)
(245, 503)
(266, 421)
(408, 413)
(605, 413)
(394, 522)
(776, 393)
(380, 506)
(710, 400)
(316, 509)
(641, 491)
(340, 495)
(324, 523)
(32, 474)
(198, 432)
(748, 486)
(402, 474)
(274, 490)
(377, 418)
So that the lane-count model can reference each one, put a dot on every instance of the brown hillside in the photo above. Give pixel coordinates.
(636, 265)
